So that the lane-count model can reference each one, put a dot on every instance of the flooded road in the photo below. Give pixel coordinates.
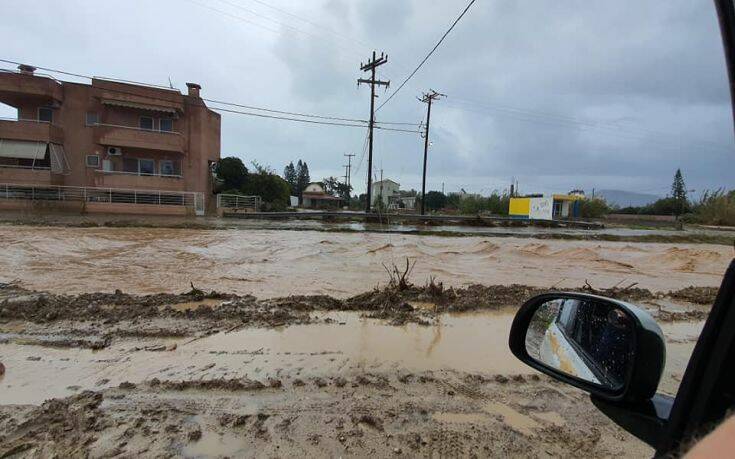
(474, 342)
(269, 263)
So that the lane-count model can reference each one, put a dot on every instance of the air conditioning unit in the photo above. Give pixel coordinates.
(114, 151)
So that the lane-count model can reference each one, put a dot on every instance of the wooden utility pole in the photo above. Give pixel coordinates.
(372, 64)
(348, 169)
(427, 99)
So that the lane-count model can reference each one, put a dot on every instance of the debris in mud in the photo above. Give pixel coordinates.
(239, 384)
(697, 295)
(2, 369)
(400, 302)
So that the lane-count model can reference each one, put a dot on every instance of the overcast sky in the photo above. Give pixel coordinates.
(558, 94)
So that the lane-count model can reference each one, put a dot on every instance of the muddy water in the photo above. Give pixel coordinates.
(468, 342)
(271, 263)
(476, 342)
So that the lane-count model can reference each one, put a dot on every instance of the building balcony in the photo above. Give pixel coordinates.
(132, 180)
(19, 88)
(25, 175)
(132, 137)
(31, 130)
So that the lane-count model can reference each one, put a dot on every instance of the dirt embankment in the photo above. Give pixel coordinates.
(125, 315)
(380, 415)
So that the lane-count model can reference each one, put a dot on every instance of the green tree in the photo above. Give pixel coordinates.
(435, 200)
(231, 172)
(302, 177)
(679, 193)
(336, 188)
(289, 174)
(593, 208)
(272, 189)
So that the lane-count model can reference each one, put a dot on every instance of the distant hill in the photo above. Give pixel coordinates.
(622, 198)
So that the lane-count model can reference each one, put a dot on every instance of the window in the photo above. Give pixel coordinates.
(130, 165)
(167, 167)
(147, 166)
(93, 160)
(166, 124)
(45, 114)
(146, 122)
(92, 119)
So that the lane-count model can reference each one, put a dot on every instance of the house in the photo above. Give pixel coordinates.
(386, 191)
(314, 197)
(538, 207)
(106, 146)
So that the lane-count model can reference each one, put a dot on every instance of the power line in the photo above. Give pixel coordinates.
(306, 115)
(313, 24)
(428, 55)
(348, 122)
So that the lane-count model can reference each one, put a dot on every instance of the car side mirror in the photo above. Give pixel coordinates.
(609, 348)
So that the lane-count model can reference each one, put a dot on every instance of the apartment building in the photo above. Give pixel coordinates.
(107, 146)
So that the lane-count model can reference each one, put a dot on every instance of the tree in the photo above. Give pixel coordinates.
(272, 189)
(435, 200)
(302, 177)
(336, 188)
(679, 193)
(232, 172)
(289, 174)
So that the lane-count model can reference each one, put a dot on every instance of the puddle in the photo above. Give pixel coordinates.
(213, 444)
(475, 342)
(513, 418)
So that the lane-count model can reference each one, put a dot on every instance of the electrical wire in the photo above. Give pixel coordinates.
(348, 122)
(428, 55)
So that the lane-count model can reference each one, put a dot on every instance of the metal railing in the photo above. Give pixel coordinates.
(237, 202)
(190, 199)
(32, 168)
(134, 128)
(25, 120)
(139, 174)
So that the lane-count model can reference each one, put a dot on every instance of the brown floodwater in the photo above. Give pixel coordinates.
(469, 342)
(270, 263)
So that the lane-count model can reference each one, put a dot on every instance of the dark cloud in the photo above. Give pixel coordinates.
(559, 94)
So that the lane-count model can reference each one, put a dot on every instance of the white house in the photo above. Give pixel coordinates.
(385, 190)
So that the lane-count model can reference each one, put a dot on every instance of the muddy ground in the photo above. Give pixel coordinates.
(415, 370)
(437, 414)
(357, 344)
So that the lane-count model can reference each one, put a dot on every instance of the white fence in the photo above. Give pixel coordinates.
(237, 202)
(190, 199)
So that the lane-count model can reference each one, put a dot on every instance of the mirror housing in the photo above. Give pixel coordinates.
(648, 350)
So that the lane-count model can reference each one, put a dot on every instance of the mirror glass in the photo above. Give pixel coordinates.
(584, 338)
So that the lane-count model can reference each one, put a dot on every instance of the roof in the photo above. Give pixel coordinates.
(386, 181)
(322, 196)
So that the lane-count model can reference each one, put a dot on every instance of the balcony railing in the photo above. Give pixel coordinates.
(16, 86)
(30, 168)
(189, 199)
(136, 137)
(140, 174)
(30, 130)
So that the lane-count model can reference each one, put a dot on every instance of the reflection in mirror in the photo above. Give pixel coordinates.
(584, 338)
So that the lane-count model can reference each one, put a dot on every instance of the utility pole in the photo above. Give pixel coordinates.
(372, 64)
(348, 174)
(427, 99)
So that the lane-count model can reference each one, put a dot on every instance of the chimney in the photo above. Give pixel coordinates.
(193, 89)
(26, 69)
